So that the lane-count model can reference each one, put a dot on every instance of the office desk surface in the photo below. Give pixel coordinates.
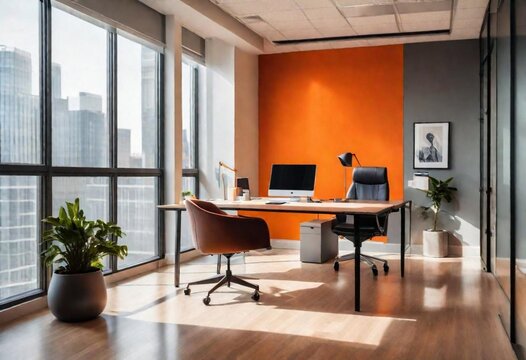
(354, 207)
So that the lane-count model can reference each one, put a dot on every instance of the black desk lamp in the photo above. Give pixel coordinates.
(346, 161)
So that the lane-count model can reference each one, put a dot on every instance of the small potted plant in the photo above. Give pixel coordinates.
(435, 240)
(187, 195)
(77, 291)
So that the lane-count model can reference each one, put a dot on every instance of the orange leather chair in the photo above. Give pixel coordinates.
(215, 232)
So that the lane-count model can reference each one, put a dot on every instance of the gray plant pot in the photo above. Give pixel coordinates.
(77, 297)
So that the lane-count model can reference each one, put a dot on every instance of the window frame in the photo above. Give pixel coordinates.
(46, 171)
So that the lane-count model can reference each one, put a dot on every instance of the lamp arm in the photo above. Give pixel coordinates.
(222, 164)
(356, 157)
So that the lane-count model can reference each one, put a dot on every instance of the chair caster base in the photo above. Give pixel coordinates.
(386, 268)
(336, 266)
(375, 270)
(255, 296)
(187, 291)
(206, 300)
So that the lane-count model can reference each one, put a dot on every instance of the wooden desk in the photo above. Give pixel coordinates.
(354, 208)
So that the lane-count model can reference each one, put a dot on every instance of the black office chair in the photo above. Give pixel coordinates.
(369, 183)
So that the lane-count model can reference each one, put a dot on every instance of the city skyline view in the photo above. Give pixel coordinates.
(80, 137)
(74, 41)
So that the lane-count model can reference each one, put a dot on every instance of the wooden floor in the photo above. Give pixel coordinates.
(443, 309)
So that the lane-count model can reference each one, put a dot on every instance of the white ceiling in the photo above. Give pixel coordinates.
(277, 20)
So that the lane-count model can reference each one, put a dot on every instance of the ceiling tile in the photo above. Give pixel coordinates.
(323, 13)
(303, 19)
(462, 4)
(311, 4)
(335, 32)
(289, 25)
(334, 22)
(295, 34)
(435, 16)
(255, 7)
(296, 16)
(371, 20)
(424, 26)
(345, 3)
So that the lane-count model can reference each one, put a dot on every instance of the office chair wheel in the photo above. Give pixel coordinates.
(187, 291)
(336, 266)
(375, 270)
(206, 300)
(255, 296)
(386, 268)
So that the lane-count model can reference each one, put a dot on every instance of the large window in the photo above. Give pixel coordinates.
(79, 117)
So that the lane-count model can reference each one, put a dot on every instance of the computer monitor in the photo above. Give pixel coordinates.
(292, 180)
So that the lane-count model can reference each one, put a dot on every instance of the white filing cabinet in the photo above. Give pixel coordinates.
(318, 242)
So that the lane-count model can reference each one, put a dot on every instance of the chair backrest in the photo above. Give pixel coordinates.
(369, 183)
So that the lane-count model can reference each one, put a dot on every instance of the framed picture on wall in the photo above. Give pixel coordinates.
(431, 145)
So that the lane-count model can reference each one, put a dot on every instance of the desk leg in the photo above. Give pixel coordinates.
(402, 240)
(177, 266)
(357, 248)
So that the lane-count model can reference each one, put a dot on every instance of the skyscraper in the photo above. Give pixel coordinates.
(149, 106)
(19, 143)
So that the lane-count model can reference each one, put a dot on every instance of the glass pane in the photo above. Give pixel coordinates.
(94, 195)
(79, 81)
(136, 104)
(19, 235)
(503, 151)
(189, 184)
(137, 215)
(20, 136)
(188, 108)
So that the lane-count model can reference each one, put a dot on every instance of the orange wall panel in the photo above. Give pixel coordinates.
(316, 105)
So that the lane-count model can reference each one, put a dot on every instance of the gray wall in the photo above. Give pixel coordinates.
(441, 83)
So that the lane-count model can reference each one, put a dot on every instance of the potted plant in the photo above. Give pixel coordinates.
(187, 195)
(435, 240)
(77, 291)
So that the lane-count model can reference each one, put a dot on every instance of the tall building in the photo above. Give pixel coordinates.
(149, 106)
(19, 109)
(19, 143)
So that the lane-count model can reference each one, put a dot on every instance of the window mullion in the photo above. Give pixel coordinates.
(196, 126)
(46, 195)
(112, 118)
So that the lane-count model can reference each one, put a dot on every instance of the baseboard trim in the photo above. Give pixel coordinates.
(373, 246)
(343, 245)
(169, 259)
(23, 309)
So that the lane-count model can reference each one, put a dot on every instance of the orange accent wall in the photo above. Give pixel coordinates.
(316, 105)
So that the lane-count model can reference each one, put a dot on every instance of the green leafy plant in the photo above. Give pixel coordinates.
(438, 192)
(187, 193)
(77, 245)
